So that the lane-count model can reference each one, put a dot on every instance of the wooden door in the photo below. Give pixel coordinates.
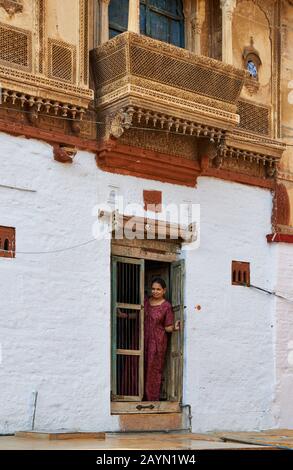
(163, 20)
(127, 328)
(174, 371)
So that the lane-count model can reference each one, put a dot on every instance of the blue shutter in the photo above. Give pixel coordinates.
(143, 18)
(159, 26)
(118, 17)
(163, 20)
(159, 19)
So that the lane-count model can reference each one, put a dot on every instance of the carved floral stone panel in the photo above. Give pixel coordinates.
(12, 6)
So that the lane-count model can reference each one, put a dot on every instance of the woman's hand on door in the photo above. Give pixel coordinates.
(171, 328)
(121, 314)
(130, 316)
(177, 325)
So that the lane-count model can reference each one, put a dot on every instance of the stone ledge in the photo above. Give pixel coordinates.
(151, 422)
(59, 435)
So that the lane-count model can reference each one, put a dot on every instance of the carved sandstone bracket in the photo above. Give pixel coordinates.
(64, 154)
(116, 123)
(265, 165)
(212, 154)
(219, 155)
(208, 151)
(12, 6)
(33, 116)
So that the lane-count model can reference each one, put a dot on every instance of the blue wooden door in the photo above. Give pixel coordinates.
(159, 19)
(163, 20)
(118, 17)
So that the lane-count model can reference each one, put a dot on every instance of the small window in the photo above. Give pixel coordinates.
(252, 68)
(7, 242)
(240, 273)
(252, 61)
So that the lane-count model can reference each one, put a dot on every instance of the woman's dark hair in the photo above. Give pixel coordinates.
(160, 281)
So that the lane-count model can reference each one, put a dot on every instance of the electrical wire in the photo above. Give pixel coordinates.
(268, 292)
(60, 250)
(152, 129)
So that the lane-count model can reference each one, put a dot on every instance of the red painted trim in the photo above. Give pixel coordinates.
(239, 178)
(152, 200)
(280, 238)
(134, 161)
(18, 129)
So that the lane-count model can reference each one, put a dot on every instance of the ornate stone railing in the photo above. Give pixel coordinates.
(43, 75)
(142, 84)
(43, 94)
(154, 77)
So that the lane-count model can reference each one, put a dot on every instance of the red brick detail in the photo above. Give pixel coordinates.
(281, 211)
(228, 175)
(152, 200)
(7, 242)
(280, 238)
(127, 160)
(63, 154)
(134, 161)
(31, 132)
(240, 273)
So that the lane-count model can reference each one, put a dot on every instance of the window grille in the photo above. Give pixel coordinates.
(240, 273)
(7, 242)
(15, 47)
(62, 61)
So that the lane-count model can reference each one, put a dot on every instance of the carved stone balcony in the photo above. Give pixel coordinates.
(43, 94)
(157, 102)
(41, 74)
(178, 89)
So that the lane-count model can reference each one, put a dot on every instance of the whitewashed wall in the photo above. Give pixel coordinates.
(55, 308)
(55, 313)
(284, 337)
(230, 357)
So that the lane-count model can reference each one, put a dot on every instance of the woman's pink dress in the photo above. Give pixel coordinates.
(157, 317)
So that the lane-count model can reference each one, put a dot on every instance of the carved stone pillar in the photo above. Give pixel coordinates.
(228, 7)
(197, 17)
(133, 16)
(187, 25)
(196, 32)
(104, 21)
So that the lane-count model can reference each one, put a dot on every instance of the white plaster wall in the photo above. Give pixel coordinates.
(229, 353)
(55, 308)
(284, 337)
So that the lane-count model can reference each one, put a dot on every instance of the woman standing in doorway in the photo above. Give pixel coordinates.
(159, 320)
